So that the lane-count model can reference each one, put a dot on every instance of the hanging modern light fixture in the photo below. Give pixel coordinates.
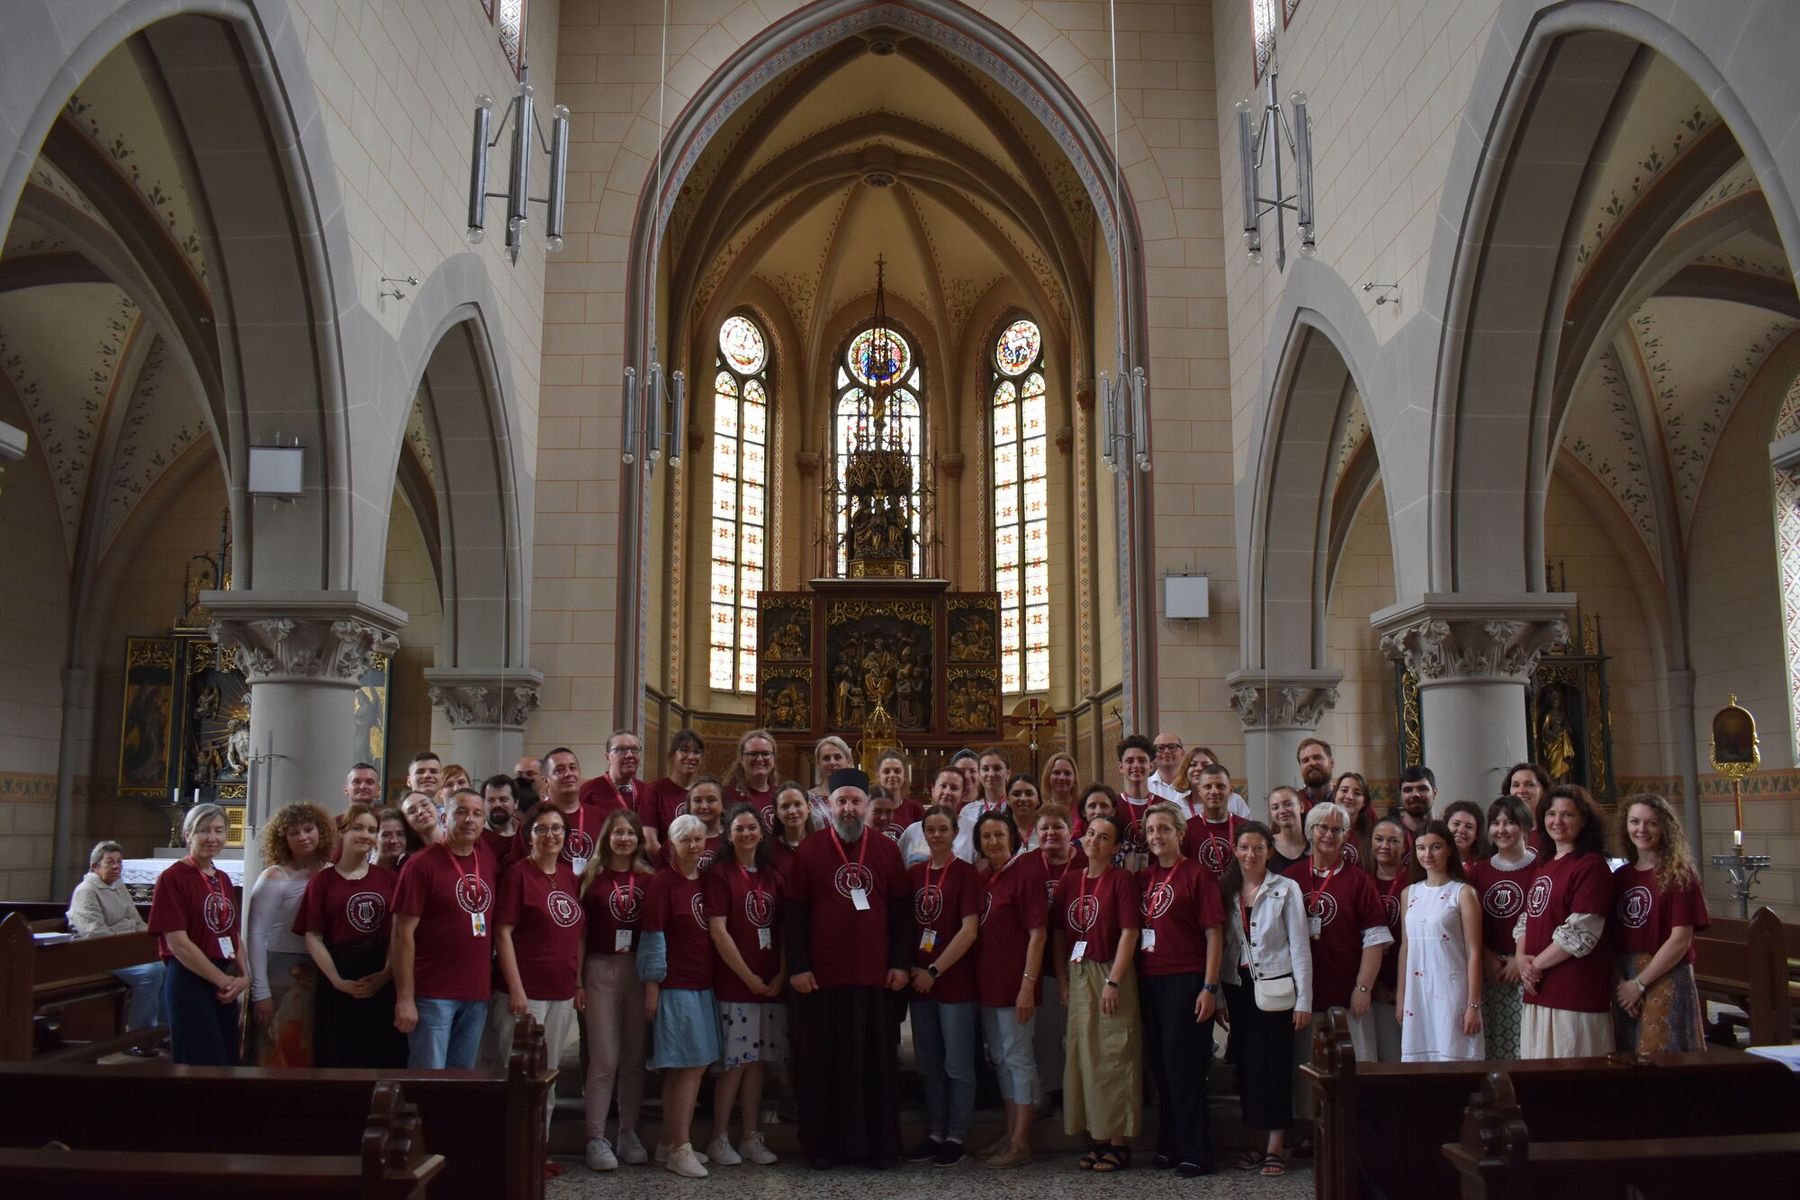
(1261, 140)
(1124, 400)
(522, 111)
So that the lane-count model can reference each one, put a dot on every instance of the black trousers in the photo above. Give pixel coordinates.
(1265, 1063)
(1179, 1050)
(202, 1032)
(847, 1073)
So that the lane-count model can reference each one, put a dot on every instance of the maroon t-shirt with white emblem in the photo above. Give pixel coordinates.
(201, 907)
(1643, 917)
(1346, 906)
(676, 908)
(1388, 892)
(547, 921)
(1134, 850)
(1574, 883)
(581, 832)
(943, 897)
(1180, 905)
(1095, 911)
(660, 803)
(763, 802)
(848, 946)
(1012, 905)
(1210, 843)
(1049, 874)
(750, 902)
(603, 795)
(1502, 895)
(443, 890)
(614, 901)
(348, 911)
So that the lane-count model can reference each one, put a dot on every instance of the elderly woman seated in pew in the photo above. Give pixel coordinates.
(103, 905)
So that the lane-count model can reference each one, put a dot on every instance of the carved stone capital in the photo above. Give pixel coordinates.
(1288, 700)
(484, 699)
(807, 463)
(321, 637)
(1084, 395)
(1065, 438)
(1450, 638)
(952, 465)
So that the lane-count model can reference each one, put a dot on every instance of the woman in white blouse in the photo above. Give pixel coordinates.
(1267, 937)
(296, 843)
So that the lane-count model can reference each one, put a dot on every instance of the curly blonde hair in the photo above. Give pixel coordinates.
(1675, 860)
(291, 817)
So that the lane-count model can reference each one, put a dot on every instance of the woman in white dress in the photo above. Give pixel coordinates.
(1437, 998)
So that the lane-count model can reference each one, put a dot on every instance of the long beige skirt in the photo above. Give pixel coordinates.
(1560, 1033)
(1103, 1092)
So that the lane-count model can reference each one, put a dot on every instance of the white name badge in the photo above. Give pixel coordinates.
(225, 947)
(763, 939)
(1314, 925)
(622, 941)
(860, 899)
(478, 924)
(1079, 952)
(928, 940)
(579, 864)
(1148, 941)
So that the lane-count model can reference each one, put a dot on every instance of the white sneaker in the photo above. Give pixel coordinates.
(600, 1156)
(753, 1149)
(664, 1152)
(631, 1148)
(720, 1151)
(684, 1162)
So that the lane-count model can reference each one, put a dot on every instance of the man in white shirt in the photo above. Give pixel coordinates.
(1166, 782)
(102, 905)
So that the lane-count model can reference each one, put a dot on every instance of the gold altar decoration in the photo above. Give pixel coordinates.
(1736, 753)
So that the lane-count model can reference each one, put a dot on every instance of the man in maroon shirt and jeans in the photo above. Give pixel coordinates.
(848, 934)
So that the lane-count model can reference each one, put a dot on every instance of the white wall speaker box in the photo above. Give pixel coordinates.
(1187, 597)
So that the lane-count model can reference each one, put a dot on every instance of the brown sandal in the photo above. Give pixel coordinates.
(1110, 1160)
(1273, 1166)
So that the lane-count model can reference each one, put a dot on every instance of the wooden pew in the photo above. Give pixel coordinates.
(387, 1162)
(70, 980)
(1498, 1159)
(1755, 965)
(489, 1126)
(1403, 1114)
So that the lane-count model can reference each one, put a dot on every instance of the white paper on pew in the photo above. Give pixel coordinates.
(1781, 1054)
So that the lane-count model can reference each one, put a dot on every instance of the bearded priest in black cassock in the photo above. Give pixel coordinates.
(848, 930)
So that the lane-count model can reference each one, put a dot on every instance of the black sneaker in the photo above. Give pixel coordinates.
(926, 1151)
(949, 1152)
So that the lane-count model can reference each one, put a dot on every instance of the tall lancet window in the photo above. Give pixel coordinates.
(1787, 553)
(1021, 507)
(860, 372)
(740, 500)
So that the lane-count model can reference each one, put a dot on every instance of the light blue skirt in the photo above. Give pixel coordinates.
(687, 1029)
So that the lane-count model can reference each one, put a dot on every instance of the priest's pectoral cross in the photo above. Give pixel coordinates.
(1033, 718)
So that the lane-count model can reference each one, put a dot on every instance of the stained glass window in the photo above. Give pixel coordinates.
(858, 371)
(1021, 507)
(740, 502)
(1262, 36)
(1787, 550)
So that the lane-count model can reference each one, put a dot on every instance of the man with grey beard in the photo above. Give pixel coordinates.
(848, 935)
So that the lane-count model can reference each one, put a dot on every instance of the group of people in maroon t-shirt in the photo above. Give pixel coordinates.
(695, 924)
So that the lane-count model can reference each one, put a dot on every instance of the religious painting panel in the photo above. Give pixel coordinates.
(786, 628)
(879, 655)
(786, 696)
(372, 702)
(972, 700)
(973, 624)
(215, 751)
(147, 728)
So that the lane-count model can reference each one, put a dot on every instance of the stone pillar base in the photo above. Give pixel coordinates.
(1279, 710)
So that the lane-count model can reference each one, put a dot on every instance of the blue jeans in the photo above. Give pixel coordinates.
(448, 1034)
(143, 995)
(944, 1043)
(1009, 1049)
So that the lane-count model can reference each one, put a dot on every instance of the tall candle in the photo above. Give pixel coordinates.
(1737, 839)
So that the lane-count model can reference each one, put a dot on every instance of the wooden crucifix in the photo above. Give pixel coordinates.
(1034, 718)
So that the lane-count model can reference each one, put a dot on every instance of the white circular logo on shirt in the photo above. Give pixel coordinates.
(219, 912)
(987, 906)
(1351, 854)
(893, 833)
(706, 858)
(1635, 907)
(767, 813)
(1539, 900)
(1390, 905)
(1213, 854)
(577, 843)
(1157, 900)
(1323, 907)
(473, 893)
(851, 876)
(759, 908)
(364, 911)
(928, 904)
(697, 906)
(1504, 899)
(1083, 912)
(623, 903)
(562, 908)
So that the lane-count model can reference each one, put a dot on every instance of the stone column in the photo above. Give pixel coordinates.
(1473, 657)
(487, 710)
(1278, 710)
(303, 653)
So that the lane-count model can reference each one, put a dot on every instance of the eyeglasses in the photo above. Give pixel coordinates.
(1337, 830)
(625, 750)
(759, 754)
(546, 831)
(1161, 746)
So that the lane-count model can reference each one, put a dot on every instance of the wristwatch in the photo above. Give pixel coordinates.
(1112, 983)
(1361, 988)
(932, 970)
(1210, 987)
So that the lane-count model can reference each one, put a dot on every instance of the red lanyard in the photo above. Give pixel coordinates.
(1082, 901)
(211, 882)
(473, 857)
(862, 847)
(755, 885)
(1156, 883)
(928, 884)
(1320, 890)
(622, 895)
